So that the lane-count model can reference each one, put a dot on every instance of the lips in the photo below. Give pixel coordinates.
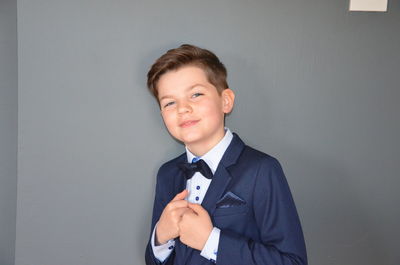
(188, 123)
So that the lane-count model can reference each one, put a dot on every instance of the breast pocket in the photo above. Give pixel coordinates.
(231, 211)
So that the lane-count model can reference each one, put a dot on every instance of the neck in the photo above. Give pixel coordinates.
(202, 147)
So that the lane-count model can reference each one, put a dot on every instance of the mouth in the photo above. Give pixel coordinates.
(188, 123)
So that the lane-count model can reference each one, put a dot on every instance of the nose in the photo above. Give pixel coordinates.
(184, 107)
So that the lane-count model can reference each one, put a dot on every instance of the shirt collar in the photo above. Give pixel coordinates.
(214, 156)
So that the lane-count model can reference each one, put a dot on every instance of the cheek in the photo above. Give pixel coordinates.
(167, 120)
(213, 111)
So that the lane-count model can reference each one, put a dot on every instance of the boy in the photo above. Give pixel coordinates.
(221, 202)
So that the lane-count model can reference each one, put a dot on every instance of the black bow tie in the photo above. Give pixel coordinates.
(200, 166)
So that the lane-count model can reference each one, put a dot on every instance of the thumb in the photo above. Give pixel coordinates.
(180, 196)
(197, 208)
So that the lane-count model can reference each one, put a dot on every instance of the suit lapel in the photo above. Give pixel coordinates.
(179, 178)
(217, 187)
(222, 176)
(179, 184)
(219, 183)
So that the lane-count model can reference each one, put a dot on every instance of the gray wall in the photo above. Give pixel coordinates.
(316, 86)
(8, 129)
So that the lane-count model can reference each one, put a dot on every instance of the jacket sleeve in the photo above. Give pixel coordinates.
(158, 207)
(281, 237)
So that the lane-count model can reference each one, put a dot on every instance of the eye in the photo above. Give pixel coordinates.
(169, 104)
(195, 95)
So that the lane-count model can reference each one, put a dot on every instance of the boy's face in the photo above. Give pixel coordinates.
(192, 109)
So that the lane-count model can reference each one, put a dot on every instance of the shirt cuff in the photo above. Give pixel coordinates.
(210, 249)
(161, 252)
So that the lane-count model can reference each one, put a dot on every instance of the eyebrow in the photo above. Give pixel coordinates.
(187, 89)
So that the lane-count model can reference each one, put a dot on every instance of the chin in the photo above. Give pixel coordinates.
(189, 139)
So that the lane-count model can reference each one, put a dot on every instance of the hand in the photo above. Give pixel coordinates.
(195, 227)
(167, 227)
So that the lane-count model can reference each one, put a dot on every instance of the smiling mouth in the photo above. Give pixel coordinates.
(187, 124)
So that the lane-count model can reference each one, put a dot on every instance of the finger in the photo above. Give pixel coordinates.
(180, 196)
(172, 206)
(182, 211)
(197, 208)
(178, 204)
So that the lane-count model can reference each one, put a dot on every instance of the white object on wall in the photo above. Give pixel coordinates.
(369, 5)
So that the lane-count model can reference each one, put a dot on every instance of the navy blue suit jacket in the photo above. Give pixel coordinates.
(261, 227)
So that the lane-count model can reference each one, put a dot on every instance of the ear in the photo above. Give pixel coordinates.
(228, 100)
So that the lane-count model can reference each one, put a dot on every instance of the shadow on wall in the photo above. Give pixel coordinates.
(336, 222)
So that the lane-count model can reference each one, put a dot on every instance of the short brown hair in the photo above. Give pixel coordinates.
(186, 55)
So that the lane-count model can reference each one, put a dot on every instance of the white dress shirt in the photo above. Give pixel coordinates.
(197, 187)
